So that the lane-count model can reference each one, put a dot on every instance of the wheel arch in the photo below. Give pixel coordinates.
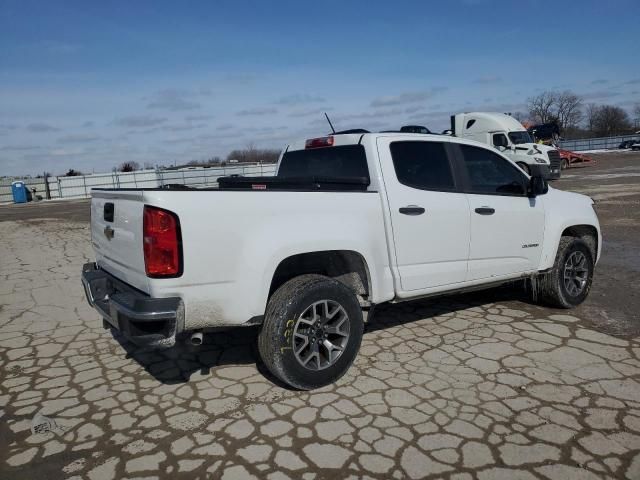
(346, 266)
(587, 232)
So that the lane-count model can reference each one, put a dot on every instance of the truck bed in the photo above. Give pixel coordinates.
(231, 239)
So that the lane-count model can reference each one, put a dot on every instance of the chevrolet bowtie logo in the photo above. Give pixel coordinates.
(109, 232)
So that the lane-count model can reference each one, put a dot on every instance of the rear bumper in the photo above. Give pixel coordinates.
(146, 321)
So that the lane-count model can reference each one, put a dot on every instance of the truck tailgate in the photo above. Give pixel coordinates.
(116, 235)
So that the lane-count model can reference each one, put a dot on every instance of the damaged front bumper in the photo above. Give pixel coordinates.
(146, 321)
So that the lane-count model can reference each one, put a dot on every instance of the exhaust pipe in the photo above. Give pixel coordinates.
(196, 338)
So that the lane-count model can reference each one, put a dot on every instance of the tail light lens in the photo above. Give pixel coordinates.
(162, 243)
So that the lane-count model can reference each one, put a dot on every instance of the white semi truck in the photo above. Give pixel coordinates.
(507, 134)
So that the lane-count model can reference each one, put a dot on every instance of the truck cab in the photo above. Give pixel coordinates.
(507, 135)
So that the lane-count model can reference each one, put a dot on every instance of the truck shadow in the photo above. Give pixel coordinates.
(391, 315)
(238, 346)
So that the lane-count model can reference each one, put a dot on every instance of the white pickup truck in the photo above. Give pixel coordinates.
(348, 222)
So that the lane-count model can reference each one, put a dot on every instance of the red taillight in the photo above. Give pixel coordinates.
(319, 142)
(162, 243)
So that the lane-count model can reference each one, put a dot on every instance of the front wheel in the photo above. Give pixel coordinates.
(312, 331)
(569, 281)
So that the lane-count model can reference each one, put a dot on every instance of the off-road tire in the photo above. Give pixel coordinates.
(275, 342)
(551, 285)
(524, 167)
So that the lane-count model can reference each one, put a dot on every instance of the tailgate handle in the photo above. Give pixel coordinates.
(108, 212)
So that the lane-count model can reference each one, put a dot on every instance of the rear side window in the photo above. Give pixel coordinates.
(491, 174)
(341, 162)
(422, 165)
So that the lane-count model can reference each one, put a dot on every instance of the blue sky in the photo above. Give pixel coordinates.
(87, 85)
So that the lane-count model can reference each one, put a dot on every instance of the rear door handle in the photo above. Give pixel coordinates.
(411, 210)
(485, 210)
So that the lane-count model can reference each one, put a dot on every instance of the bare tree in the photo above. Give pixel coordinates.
(611, 120)
(636, 115)
(591, 112)
(520, 116)
(72, 173)
(542, 107)
(564, 108)
(568, 107)
(129, 167)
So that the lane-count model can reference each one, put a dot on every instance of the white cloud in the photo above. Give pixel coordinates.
(173, 100)
(299, 99)
(138, 121)
(197, 118)
(19, 148)
(310, 112)
(41, 127)
(488, 79)
(258, 111)
(407, 97)
(78, 138)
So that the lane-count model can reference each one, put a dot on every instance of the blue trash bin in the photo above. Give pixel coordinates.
(19, 191)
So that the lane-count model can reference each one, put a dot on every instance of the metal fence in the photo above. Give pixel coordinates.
(80, 186)
(601, 143)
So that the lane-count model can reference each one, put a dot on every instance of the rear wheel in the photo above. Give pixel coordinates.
(525, 168)
(569, 281)
(312, 331)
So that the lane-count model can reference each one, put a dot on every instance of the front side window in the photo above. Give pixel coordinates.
(422, 165)
(491, 174)
(500, 140)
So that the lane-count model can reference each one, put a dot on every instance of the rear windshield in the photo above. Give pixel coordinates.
(344, 161)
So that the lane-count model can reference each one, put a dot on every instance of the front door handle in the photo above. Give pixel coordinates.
(411, 210)
(485, 210)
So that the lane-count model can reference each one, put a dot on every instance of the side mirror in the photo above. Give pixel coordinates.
(537, 183)
(537, 186)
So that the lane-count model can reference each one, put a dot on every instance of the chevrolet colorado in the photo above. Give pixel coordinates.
(348, 222)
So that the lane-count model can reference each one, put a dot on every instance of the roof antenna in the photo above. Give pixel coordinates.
(330, 124)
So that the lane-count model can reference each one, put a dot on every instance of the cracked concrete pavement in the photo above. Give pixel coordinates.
(480, 386)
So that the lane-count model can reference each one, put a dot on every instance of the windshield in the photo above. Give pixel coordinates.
(520, 137)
